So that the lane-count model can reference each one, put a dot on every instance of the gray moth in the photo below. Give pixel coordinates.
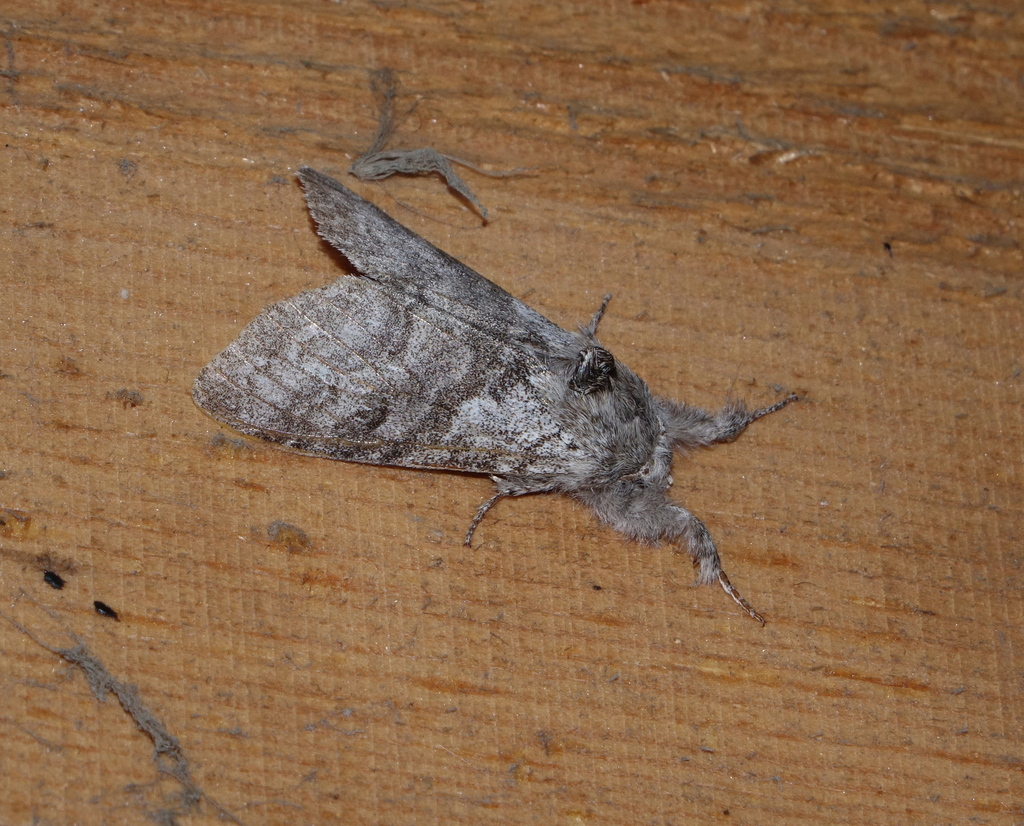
(420, 362)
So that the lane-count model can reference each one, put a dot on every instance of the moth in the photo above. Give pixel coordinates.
(420, 362)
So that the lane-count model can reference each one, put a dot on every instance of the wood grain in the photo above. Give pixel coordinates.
(824, 198)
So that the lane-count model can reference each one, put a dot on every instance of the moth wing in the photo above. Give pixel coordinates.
(357, 371)
(381, 248)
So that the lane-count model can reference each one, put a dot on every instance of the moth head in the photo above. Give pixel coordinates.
(592, 371)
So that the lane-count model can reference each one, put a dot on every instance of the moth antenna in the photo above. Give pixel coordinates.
(730, 589)
(592, 326)
(480, 513)
(765, 411)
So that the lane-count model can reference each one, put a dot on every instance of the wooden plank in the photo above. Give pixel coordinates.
(824, 199)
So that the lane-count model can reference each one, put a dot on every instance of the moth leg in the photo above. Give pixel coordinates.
(742, 603)
(481, 512)
(701, 548)
(688, 426)
(592, 326)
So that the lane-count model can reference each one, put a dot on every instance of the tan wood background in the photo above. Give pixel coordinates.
(781, 196)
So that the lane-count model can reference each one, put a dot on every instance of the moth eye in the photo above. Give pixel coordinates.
(592, 371)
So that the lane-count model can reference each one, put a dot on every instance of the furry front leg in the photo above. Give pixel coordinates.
(645, 514)
(701, 548)
(687, 426)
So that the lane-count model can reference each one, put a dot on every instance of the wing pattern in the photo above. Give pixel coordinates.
(358, 372)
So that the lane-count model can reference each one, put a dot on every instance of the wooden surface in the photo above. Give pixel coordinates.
(824, 199)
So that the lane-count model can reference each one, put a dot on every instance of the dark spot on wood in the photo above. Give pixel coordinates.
(68, 366)
(288, 536)
(128, 398)
(245, 484)
(105, 610)
(14, 524)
